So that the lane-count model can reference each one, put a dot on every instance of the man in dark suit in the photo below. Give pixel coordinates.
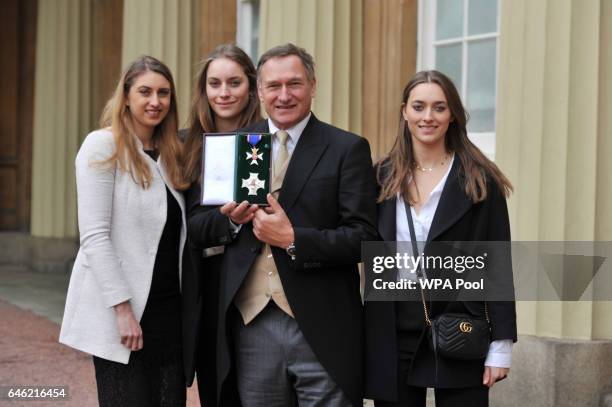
(290, 312)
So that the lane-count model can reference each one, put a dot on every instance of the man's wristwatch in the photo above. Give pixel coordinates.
(291, 250)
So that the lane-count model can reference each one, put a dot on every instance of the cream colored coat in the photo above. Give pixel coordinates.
(120, 226)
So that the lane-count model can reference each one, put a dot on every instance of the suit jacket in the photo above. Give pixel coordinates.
(200, 297)
(120, 226)
(456, 219)
(191, 296)
(200, 308)
(329, 196)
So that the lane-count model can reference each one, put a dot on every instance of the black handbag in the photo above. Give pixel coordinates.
(460, 336)
(453, 335)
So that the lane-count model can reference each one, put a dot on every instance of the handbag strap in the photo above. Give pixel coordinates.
(415, 251)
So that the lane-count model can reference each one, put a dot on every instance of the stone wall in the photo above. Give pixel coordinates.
(41, 254)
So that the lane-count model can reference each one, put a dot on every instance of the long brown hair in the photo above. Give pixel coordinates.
(118, 117)
(394, 170)
(202, 118)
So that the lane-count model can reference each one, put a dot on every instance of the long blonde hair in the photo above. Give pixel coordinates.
(395, 169)
(118, 117)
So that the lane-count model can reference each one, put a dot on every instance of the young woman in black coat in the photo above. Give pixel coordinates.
(455, 194)
(225, 99)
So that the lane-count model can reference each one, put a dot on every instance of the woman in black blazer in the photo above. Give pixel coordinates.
(225, 99)
(455, 194)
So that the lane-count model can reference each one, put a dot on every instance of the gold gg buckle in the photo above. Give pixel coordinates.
(465, 327)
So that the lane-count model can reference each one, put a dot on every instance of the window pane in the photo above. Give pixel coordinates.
(449, 19)
(482, 16)
(448, 61)
(480, 93)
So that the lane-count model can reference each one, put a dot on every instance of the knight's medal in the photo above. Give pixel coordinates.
(254, 154)
(253, 183)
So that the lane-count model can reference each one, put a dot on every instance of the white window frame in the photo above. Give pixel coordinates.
(244, 27)
(426, 59)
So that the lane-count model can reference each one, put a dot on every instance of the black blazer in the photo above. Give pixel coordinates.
(191, 295)
(456, 219)
(200, 297)
(329, 196)
(191, 310)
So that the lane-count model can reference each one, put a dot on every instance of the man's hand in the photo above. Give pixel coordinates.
(239, 214)
(271, 225)
(493, 374)
(129, 329)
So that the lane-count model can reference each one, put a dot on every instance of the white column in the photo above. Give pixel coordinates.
(554, 104)
(61, 112)
(331, 31)
(165, 30)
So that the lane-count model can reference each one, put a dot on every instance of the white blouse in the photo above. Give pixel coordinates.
(500, 351)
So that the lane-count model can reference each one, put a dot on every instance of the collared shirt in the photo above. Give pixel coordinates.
(500, 351)
(294, 132)
(422, 220)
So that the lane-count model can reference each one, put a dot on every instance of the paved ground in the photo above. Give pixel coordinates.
(31, 307)
(42, 293)
(32, 356)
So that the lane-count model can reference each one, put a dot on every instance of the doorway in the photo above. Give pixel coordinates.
(17, 56)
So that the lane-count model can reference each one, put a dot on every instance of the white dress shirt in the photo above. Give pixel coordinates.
(294, 135)
(500, 351)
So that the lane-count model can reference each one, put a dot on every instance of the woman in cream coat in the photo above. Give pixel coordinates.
(123, 303)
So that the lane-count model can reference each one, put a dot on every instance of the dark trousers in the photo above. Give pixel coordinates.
(412, 396)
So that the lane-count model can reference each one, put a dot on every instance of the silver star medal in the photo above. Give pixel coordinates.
(254, 155)
(253, 183)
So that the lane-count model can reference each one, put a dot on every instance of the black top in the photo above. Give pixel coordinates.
(165, 282)
(161, 319)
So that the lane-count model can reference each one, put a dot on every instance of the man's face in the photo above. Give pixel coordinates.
(285, 90)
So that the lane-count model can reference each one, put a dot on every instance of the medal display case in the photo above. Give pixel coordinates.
(236, 167)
